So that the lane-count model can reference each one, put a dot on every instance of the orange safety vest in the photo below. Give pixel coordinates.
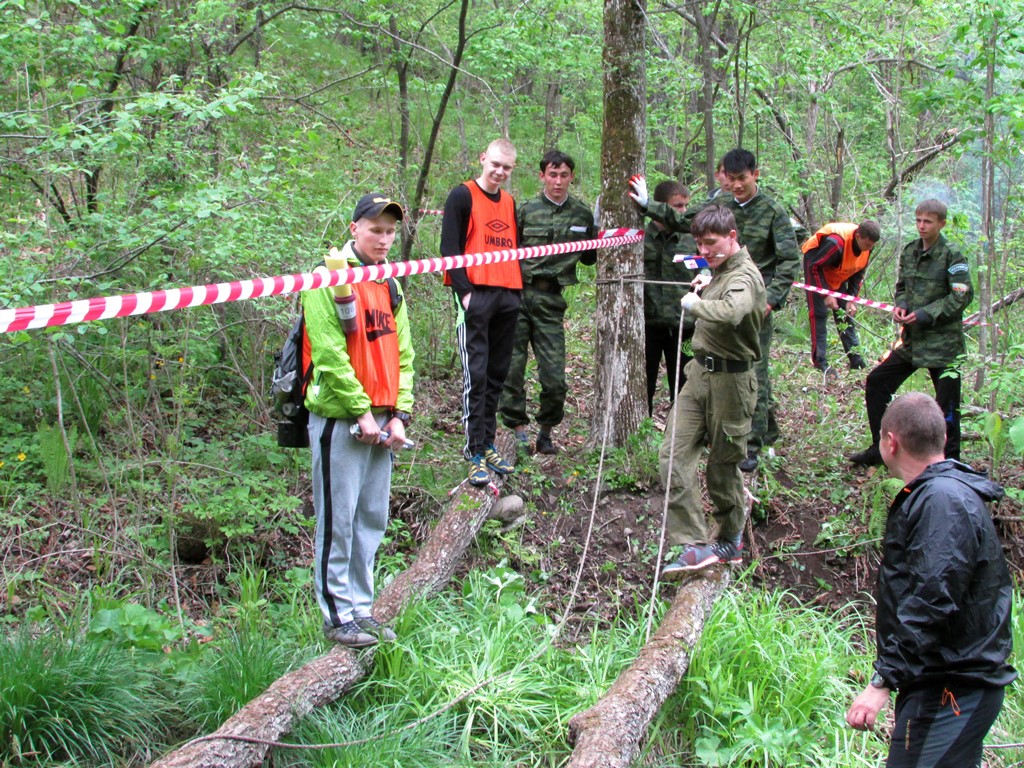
(850, 265)
(373, 349)
(492, 227)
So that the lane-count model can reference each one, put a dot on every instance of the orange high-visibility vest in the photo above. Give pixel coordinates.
(850, 265)
(373, 349)
(492, 227)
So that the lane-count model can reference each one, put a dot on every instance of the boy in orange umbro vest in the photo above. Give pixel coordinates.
(835, 258)
(479, 216)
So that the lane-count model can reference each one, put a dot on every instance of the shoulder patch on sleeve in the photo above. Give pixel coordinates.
(961, 267)
(958, 288)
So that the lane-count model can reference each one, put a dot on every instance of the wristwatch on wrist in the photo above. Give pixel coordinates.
(402, 416)
(877, 681)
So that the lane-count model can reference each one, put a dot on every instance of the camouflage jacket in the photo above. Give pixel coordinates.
(661, 302)
(936, 284)
(763, 227)
(730, 311)
(542, 222)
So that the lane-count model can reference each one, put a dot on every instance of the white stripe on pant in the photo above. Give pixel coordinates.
(351, 494)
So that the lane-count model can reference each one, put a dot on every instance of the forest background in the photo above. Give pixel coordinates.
(155, 143)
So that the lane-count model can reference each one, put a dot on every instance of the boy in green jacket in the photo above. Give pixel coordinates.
(359, 399)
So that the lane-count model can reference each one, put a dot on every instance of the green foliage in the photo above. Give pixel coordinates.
(486, 637)
(239, 667)
(766, 686)
(74, 699)
(633, 466)
(881, 497)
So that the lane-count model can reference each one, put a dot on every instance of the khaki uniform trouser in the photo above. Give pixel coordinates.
(713, 410)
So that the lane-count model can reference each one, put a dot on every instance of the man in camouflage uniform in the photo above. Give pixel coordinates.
(553, 216)
(716, 404)
(933, 289)
(661, 300)
(766, 232)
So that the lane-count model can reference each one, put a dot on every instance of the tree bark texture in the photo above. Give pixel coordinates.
(619, 365)
(608, 735)
(275, 712)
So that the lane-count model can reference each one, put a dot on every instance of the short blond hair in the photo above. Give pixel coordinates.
(504, 146)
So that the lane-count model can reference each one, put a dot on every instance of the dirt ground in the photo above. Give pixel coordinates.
(809, 532)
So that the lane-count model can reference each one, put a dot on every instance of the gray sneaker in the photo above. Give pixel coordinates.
(350, 635)
(371, 626)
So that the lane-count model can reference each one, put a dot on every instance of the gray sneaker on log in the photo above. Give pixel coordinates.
(371, 626)
(350, 635)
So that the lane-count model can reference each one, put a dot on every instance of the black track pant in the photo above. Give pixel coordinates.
(942, 726)
(486, 332)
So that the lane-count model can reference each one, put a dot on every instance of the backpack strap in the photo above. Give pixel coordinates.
(396, 294)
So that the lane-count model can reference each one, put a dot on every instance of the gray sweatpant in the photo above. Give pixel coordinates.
(351, 493)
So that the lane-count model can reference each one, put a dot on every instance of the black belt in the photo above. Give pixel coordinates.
(546, 285)
(714, 364)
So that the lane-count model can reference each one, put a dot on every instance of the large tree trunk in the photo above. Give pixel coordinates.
(274, 712)
(608, 735)
(619, 386)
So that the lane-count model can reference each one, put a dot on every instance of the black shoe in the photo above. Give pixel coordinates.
(867, 458)
(749, 464)
(544, 444)
(857, 363)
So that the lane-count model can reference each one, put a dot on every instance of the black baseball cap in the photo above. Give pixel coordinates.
(373, 205)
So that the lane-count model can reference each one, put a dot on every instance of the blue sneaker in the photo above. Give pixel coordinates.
(495, 462)
(478, 471)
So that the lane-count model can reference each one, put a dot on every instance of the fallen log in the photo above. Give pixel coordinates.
(274, 713)
(1002, 303)
(608, 735)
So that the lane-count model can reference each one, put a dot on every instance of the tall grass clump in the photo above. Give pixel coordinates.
(768, 686)
(485, 640)
(1009, 726)
(239, 669)
(66, 698)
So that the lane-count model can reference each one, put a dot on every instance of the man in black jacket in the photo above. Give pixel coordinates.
(944, 600)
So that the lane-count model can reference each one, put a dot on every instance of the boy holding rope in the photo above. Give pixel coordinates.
(716, 405)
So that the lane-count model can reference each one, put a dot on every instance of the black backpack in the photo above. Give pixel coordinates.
(292, 374)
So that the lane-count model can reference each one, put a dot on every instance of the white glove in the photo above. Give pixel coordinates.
(638, 190)
(700, 282)
(689, 300)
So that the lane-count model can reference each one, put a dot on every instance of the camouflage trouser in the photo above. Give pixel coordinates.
(766, 428)
(541, 326)
(713, 409)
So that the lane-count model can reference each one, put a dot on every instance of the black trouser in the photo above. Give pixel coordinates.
(942, 726)
(818, 314)
(486, 332)
(663, 341)
(886, 378)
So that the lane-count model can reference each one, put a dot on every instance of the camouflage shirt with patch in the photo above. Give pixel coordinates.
(936, 285)
(542, 222)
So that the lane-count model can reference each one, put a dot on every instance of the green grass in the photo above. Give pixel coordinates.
(72, 699)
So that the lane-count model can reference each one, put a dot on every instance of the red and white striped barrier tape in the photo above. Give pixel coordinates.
(866, 302)
(855, 299)
(105, 307)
